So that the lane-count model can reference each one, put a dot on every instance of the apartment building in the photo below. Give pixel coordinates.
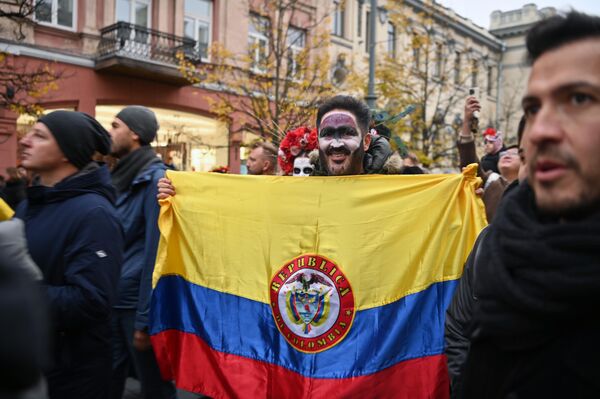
(114, 53)
(512, 27)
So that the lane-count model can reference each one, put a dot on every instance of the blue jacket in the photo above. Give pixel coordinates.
(75, 237)
(138, 211)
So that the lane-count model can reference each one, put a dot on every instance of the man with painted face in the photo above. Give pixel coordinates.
(345, 147)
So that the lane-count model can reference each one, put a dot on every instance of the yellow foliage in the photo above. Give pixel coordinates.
(266, 96)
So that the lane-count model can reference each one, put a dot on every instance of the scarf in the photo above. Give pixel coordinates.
(540, 277)
(130, 166)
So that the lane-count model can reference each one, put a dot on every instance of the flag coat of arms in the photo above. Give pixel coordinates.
(316, 287)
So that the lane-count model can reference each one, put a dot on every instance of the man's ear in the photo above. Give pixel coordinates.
(367, 141)
(267, 165)
(134, 136)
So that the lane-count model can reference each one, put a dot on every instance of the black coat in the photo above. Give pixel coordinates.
(76, 239)
(459, 316)
(535, 328)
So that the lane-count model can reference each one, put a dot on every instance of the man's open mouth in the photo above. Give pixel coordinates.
(338, 157)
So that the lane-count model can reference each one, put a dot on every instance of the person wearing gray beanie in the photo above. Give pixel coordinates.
(141, 121)
(135, 177)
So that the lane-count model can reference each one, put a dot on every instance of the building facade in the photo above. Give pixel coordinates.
(449, 56)
(512, 27)
(113, 53)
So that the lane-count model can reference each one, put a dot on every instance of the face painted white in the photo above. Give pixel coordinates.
(338, 149)
(352, 143)
(302, 167)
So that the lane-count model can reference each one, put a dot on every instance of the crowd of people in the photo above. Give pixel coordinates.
(77, 259)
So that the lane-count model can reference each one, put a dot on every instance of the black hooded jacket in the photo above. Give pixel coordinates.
(75, 237)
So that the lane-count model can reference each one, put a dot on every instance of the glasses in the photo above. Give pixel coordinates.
(508, 154)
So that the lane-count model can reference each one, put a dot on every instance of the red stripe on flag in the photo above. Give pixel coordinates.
(196, 367)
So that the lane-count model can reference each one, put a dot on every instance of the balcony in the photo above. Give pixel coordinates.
(138, 51)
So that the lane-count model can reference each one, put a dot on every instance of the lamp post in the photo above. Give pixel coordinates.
(371, 97)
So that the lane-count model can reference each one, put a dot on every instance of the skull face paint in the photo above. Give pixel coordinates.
(341, 145)
(302, 167)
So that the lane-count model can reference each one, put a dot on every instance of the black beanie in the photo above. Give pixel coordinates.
(141, 121)
(78, 135)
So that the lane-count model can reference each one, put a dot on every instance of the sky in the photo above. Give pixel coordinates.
(479, 11)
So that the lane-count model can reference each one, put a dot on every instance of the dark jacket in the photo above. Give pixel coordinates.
(489, 162)
(459, 316)
(76, 239)
(15, 192)
(138, 211)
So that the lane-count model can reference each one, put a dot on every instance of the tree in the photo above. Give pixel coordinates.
(427, 74)
(278, 83)
(20, 13)
(23, 87)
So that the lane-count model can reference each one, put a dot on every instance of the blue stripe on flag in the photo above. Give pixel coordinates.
(380, 337)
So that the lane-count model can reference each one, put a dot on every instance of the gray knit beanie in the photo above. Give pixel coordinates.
(141, 121)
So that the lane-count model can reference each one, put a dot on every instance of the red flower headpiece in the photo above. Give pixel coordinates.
(296, 141)
(490, 131)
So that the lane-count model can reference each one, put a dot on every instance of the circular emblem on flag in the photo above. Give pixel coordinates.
(312, 303)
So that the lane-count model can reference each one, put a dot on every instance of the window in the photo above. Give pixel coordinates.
(258, 42)
(338, 19)
(490, 80)
(197, 24)
(60, 13)
(457, 66)
(296, 40)
(437, 72)
(359, 22)
(474, 73)
(417, 57)
(136, 12)
(391, 39)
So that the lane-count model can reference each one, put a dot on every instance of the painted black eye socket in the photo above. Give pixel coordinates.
(307, 170)
(338, 132)
(327, 132)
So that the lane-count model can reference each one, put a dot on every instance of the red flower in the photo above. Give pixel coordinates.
(296, 141)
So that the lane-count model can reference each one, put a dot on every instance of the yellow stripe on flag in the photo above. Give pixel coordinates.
(6, 211)
(391, 235)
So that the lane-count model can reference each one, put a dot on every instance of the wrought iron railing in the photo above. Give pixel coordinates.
(141, 43)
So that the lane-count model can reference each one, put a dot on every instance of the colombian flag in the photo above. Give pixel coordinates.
(316, 287)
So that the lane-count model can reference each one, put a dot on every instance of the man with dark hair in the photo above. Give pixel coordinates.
(343, 127)
(534, 329)
(135, 176)
(75, 237)
(262, 159)
(345, 145)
